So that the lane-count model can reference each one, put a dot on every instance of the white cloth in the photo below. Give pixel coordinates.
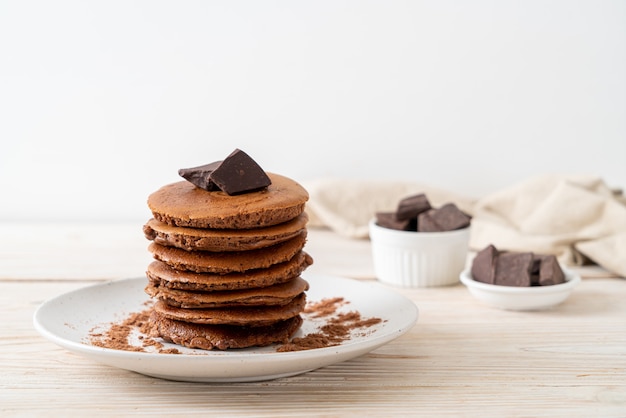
(577, 218)
(572, 217)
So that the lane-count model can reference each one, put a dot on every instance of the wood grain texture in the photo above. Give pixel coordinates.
(461, 359)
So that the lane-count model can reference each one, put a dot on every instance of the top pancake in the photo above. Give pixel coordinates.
(183, 204)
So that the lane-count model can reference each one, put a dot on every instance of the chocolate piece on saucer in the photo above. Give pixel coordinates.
(239, 173)
(550, 272)
(534, 272)
(411, 206)
(514, 269)
(484, 265)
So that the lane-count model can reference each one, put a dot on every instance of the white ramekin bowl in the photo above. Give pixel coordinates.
(418, 259)
(521, 298)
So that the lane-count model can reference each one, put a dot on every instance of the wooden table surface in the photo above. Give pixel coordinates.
(460, 359)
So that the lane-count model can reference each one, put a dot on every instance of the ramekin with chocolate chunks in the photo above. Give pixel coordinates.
(418, 245)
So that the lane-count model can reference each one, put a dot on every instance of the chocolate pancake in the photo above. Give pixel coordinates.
(183, 204)
(192, 239)
(222, 337)
(278, 294)
(165, 276)
(228, 262)
(254, 316)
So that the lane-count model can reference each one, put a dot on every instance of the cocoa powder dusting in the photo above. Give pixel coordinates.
(117, 336)
(324, 307)
(338, 328)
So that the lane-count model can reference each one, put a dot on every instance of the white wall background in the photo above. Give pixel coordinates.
(102, 102)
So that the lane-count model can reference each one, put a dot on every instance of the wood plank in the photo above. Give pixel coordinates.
(72, 251)
(460, 359)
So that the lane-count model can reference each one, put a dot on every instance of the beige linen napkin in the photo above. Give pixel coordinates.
(574, 217)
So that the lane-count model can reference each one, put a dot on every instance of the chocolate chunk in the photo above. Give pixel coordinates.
(447, 218)
(484, 265)
(389, 220)
(550, 272)
(534, 272)
(412, 226)
(239, 173)
(411, 206)
(200, 176)
(426, 222)
(450, 217)
(421, 217)
(514, 269)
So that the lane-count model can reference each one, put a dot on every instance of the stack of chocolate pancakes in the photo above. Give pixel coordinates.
(227, 267)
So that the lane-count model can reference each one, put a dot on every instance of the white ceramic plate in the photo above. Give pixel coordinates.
(69, 320)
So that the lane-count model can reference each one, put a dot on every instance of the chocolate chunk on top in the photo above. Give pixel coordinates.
(484, 265)
(411, 206)
(237, 174)
(200, 176)
(534, 272)
(514, 269)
